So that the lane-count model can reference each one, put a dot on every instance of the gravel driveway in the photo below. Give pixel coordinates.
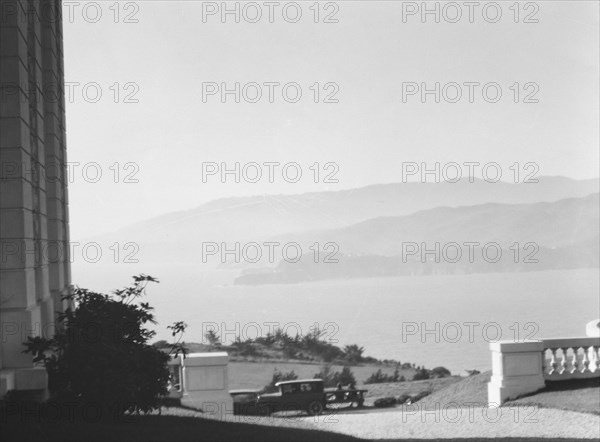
(431, 423)
(450, 422)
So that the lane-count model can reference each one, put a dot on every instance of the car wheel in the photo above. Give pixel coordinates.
(315, 408)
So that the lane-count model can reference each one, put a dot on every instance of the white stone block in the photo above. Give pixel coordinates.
(516, 370)
(205, 383)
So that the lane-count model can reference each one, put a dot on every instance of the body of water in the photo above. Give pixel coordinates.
(446, 320)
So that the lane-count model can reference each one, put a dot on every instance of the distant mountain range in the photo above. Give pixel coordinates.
(472, 239)
(370, 224)
(556, 224)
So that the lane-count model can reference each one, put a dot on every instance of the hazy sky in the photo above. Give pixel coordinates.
(368, 134)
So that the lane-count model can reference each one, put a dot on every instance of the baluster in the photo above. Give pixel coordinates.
(563, 362)
(592, 358)
(574, 361)
(553, 363)
(585, 361)
(596, 353)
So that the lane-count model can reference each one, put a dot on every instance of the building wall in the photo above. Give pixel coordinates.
(34, 230)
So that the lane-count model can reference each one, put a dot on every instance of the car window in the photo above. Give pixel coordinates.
(306, 387)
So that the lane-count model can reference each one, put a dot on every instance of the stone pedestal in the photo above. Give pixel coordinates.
(516, 370)
(205, 383)
(592, 328)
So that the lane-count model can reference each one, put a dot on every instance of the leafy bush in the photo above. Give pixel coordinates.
(421, 374)
(419, 396)
(380, 377)
(100, 355)
(439, 372)
(354, 353)
(214, 340)
(308, 347)
(245, 348)
(346, 377)
(384, 402)
(332, 378)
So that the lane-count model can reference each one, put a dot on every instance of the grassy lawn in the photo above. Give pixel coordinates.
(581, 395)
(396, 389)
(472, 389)
(258, 374)
(575, 395)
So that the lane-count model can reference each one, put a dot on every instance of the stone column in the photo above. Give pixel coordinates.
(31, 123)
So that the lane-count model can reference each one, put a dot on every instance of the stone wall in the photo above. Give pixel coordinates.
(34, 233)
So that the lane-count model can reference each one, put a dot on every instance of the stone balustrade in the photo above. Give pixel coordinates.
(572, 358)
(520, 368)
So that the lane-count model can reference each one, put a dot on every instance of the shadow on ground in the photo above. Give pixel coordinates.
(582, 395)
(177, 429)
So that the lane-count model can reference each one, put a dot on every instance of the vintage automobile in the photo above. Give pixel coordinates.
(304, 395)
(355, 397)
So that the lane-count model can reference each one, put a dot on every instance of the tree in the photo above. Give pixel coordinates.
(214, 340)
(100, 355)
(346, 377)
(440, 372)
(354, 353)
(178, 346)
(331, 378)
(421, 374)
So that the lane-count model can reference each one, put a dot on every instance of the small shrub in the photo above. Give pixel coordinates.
(332, 378)
(419, 396)
(385, 402)
(440, 372)
(421, 375)
(379, 377)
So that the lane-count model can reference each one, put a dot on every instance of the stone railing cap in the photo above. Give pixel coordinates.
(571, 342)
(209, 358)
(516, 346)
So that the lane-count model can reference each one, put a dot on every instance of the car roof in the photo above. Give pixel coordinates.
(246, 391)
(298, 381)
